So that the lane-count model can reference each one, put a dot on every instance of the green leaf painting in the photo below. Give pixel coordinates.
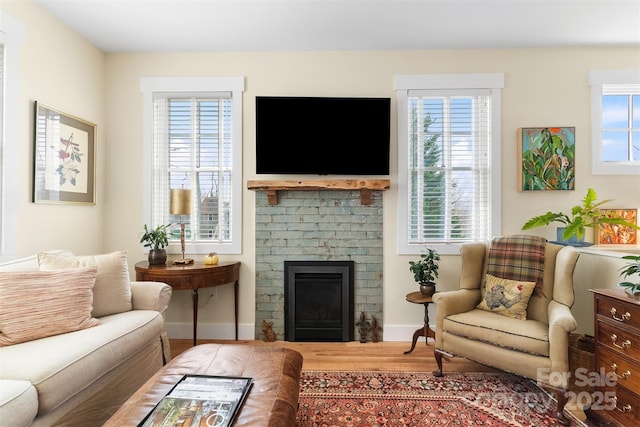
(547, 158)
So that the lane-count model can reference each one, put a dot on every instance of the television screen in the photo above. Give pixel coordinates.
(322, 135)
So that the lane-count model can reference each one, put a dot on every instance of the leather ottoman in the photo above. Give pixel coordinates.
(272, 401)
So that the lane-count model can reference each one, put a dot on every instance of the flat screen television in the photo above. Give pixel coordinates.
(322, 135)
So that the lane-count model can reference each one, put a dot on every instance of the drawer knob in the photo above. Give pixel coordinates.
(625, 344)
(625, 408)
(625, 316)
(626, 374)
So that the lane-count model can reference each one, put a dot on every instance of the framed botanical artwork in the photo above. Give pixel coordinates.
(64, 158)
(546, 158)
(614, 234)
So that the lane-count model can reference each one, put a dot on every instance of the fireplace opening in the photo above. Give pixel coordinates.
(318, 300)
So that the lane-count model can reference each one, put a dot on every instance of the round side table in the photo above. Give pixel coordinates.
(425, 331)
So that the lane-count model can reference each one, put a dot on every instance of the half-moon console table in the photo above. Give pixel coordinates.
(194, 276)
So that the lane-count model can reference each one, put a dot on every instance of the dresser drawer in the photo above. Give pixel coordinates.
(176, 282)
(617, 350)
(625, 408)
(618, 340)
(626, 373)
(621, 312)
(222, 275)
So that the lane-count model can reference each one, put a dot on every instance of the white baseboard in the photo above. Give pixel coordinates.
(226, 331)
(211, 331)
(402, 333)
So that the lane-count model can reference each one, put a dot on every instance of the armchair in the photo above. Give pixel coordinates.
(535, 346)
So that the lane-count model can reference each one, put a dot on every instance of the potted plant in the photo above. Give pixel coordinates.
(584, 215)
(157, 240)
(425, 271)
(633, 267)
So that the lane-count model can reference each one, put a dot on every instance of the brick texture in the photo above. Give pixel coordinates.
(317, 226)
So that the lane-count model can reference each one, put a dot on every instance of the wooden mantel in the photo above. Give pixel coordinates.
(366, 186)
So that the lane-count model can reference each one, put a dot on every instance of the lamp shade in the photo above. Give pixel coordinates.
(180, 202)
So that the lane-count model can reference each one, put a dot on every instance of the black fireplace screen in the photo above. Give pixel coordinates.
(319, 300)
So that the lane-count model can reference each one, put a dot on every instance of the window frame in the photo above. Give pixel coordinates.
(195, 86)
(410, 82)
(11, 35)
(597, 79)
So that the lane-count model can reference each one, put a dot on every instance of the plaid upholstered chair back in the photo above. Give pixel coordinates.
(475, 265)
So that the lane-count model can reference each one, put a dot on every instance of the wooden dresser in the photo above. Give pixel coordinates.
(617, 351)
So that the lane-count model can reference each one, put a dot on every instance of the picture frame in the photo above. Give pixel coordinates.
(64, 157)
(613, 234)
(546, 158)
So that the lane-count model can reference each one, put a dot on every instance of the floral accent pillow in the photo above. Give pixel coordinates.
(507, 297)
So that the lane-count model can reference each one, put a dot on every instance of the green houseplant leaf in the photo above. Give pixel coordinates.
(584, 215)
(425, 270)
(632, 268)
(156, 238)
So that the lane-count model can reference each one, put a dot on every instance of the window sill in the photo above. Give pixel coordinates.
(614, 251)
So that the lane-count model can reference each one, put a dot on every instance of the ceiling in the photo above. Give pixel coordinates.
(307, 25)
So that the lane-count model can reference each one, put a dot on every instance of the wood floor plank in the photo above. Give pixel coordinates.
(355, 356)
(340, 356)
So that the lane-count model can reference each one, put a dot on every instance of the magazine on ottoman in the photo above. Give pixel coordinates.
(200, 400)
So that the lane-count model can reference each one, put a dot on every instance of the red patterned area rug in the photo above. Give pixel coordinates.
(377, 398)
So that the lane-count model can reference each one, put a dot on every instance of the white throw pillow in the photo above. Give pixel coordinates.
(112, 292)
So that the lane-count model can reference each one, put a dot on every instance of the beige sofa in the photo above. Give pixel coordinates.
(81, 374)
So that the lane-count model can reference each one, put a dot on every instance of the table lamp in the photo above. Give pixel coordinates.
(180, 204)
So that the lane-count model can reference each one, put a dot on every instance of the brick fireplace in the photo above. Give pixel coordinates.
(317, 225)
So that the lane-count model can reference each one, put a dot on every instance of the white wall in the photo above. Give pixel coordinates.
(62, 70)
(543, 87)
(596, 269)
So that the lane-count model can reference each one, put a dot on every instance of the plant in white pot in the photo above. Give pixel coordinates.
(425, 271)
(632, 268)
(581, 216)
(157, 240)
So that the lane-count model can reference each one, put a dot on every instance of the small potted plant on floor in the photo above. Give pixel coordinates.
(633, 267)
(157, 239)
(574, 224)
(425, 271)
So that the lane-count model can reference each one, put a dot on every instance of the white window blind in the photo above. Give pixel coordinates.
(448, 160)
(449, 152)
(193, 150)
(193, 140)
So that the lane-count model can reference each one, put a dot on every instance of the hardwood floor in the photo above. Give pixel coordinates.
(340, 356)
(354, 356)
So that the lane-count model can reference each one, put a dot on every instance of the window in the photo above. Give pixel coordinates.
(11, 35)
(615, 118)
(448, 160)
(193, 140)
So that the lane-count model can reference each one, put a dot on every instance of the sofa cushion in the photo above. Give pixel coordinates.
(62, 366)
(38, 304)
(529, 336)
(112, 293)
(30, 262)
(18, 403)
(507, 297)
